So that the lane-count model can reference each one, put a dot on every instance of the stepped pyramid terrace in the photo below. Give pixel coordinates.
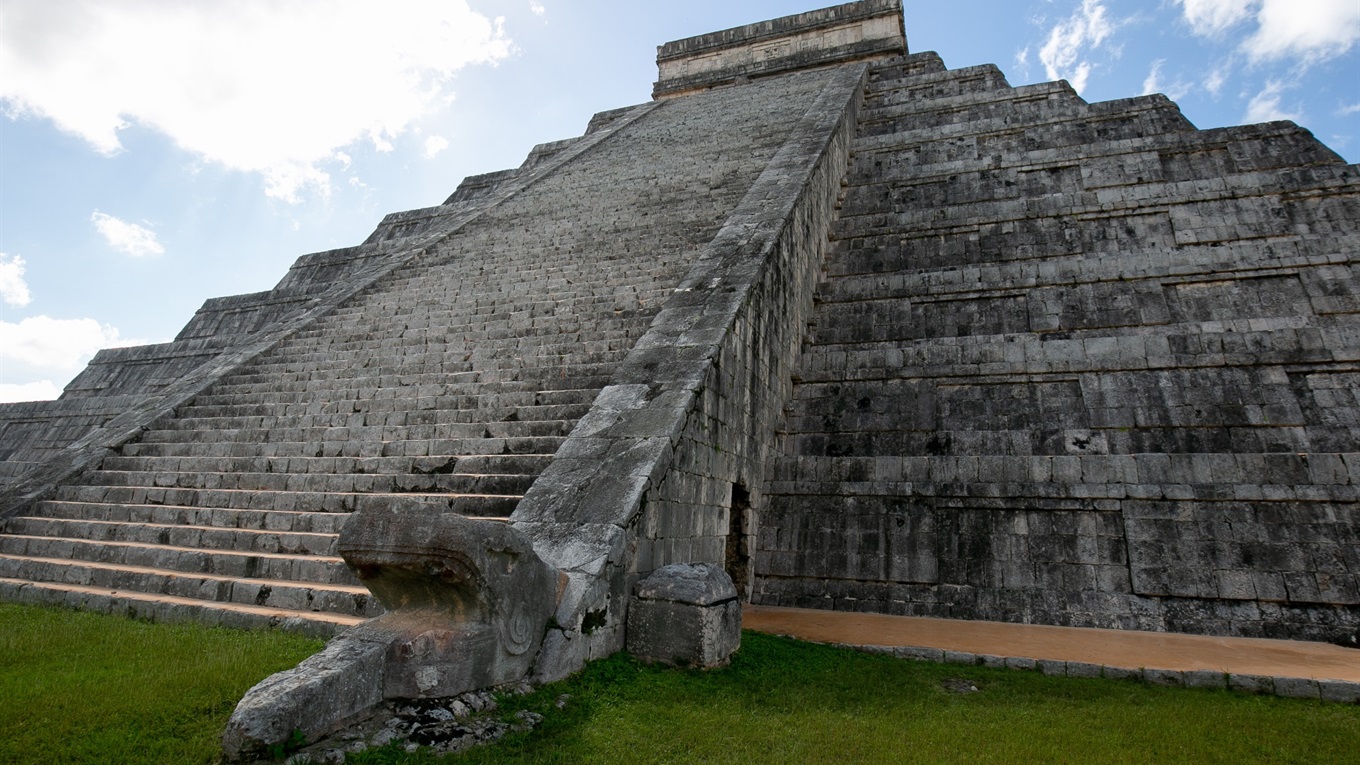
(826, 318)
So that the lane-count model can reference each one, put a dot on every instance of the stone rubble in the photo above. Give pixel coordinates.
(443, 725)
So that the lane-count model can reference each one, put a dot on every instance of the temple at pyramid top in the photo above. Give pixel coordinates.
(843, 33)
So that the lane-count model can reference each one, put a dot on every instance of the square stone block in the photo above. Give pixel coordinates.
(685, 614)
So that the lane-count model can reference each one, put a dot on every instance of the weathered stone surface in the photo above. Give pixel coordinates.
(468, 601)
(1339, 691)
(1251, 683)
(1297, 688)
(715, 364)
(686, 614)
(1206, 679)
(449, 357)
(1075, 364)
(342, 682)
(467, 606)
(1083, 669)
(869, 333)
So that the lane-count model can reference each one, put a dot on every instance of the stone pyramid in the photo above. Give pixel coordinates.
(867, 332)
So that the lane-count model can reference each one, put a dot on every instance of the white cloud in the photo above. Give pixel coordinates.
(1068, 42)
(1216, 79)
(1022, 62)
(128, 238)
(537, 8)
(1307, 29)
(1265, 106)
(42, 390)
(1311, 30)
(1348, 110)
(1212, 17)
(1153, 83)
(435, 144)
(13, 288)
(273, 87)
(55, 347)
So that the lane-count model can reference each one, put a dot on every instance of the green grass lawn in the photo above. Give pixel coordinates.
(84, 688)
(88, 688)
(782, 701)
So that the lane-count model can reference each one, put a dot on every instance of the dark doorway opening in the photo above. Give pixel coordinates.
(738, 559)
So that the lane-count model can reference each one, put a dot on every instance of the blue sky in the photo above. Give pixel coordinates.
(155, 153)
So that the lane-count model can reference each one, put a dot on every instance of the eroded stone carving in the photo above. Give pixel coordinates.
(468, 602)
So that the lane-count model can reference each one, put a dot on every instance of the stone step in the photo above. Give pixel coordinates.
(904, 67)
(176, 535)
(172, 609)
(1170, 156)
(342, 414)
(1245, 343)
(449, 340)
(450, 336)
(248, 444)
(233, 563)
(222, 517)
(590, 312)
(349, 600)
(287, 429)
(854, 436)
(1148, 207)
(468, 395)
(504, 465)
(968, 107)
(1085, 482)
(548, 390)
(1151, 193)
(980, 90)
(387, 360)
(1030, 127)
(293, 429)
(886, 90)
(474, 505)
(321, 384)
(882, 270)
(427, 483)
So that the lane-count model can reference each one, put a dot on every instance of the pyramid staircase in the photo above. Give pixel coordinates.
(239, 498)
(451, 381)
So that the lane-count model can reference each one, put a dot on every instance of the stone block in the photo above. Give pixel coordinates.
(1052, 667)
(920, 653)
(1204, 678)
(1165, 677)
(686, 614)
(1339, 691)
(1121, 673)
(1082, 669)
(1297, 688)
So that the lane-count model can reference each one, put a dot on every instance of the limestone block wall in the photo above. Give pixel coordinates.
(32, 431)
(648, 476)
(1077, 364)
